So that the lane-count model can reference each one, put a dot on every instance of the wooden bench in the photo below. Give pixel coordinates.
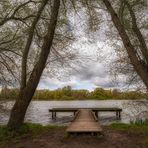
(95, 110)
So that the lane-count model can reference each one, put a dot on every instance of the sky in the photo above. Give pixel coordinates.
(90, 74)
(91, 68)
(93, 72)
(95, 54)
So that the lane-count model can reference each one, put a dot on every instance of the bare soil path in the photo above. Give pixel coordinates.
(57, 138)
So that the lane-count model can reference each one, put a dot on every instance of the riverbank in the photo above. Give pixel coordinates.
(91, 99)
(67, 93)
(34, 135)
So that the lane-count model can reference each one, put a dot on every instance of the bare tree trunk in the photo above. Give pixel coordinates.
(26, 94)
(141, 69)
(138, 33)
(28, 44)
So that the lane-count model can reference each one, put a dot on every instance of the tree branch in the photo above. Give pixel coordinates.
(138, 33)
(28, 44)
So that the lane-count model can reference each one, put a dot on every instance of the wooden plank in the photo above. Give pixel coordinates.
(96, 110)
(75, 109)
(84, 122)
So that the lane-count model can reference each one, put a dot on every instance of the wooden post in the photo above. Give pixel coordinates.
(119, 114)
(55, 115)
(116, 114)
(96, 114)
(52, 116)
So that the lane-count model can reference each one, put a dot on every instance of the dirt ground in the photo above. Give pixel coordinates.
(57, 138)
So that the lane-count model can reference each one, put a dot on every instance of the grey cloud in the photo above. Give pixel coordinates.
(105, 83)
(94, 74)
(90, 71)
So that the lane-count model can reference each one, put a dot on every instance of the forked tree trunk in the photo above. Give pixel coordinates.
(19, 109)
(28, 44)
(141, 69)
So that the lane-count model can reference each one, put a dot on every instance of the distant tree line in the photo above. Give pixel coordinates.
(67, 93)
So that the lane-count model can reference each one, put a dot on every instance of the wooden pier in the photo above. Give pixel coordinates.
(95, 110)
(85, 121)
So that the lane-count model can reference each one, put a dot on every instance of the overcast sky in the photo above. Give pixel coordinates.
(91, 73)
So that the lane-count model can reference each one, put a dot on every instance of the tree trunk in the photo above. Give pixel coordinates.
(138, 33)
(21, 105)
(141, 69)
(28, 44)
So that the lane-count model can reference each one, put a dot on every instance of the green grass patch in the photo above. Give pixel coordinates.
(133, 128)
(120, 126)
(26, 130)
(145, 141)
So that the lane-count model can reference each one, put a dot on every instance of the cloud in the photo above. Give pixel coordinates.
(90, 76)
(54, 83)
(91, 71)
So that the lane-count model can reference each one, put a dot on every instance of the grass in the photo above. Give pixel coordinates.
(32, 130)
(145, 140)
(134, 126)
(122, 126)
(119, 126)
(27, 129)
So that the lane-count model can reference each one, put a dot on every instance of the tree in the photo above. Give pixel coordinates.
(27, 89)
(12, 25)
(67, 90)
(100, 93)
(140, 64)
(39, 41)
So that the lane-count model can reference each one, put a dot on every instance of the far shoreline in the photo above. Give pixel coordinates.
(144, 99)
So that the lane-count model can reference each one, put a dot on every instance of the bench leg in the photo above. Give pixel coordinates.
(53, 115)
(117, 115)
(96, 114)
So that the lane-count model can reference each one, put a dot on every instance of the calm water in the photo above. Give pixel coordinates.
(38, 111)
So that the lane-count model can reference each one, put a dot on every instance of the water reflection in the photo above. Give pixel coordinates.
(38, 111)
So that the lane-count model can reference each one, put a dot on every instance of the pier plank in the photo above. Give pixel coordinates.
(84, 122)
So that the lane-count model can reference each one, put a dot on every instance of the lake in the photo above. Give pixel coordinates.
(38, 111)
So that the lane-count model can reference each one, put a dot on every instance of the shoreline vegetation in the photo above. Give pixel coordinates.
(28, 133)
(67, 93)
